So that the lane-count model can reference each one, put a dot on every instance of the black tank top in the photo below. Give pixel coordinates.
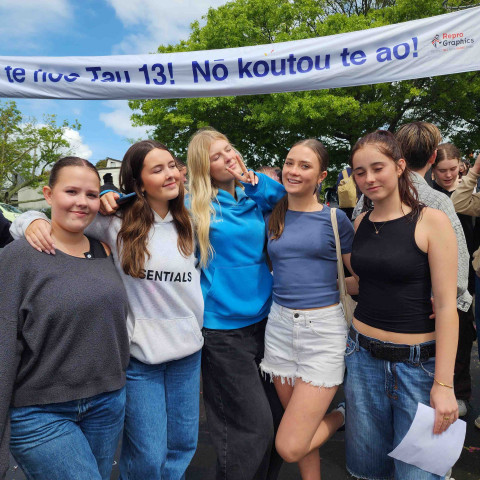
(96, 249)
(395, 285)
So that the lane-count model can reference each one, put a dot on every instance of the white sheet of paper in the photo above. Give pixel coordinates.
(433, 453)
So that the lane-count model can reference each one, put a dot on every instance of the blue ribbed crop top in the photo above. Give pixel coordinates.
(304, 259)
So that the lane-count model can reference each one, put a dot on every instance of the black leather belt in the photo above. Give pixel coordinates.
(390, 352)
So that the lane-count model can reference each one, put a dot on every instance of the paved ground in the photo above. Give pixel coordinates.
(333, 455)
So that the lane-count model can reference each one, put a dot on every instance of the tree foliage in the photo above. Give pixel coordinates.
(28, 149)
(101, 164)
(263, 127)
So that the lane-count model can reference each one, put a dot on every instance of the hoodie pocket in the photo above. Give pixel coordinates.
(157, 340)
(239, 292)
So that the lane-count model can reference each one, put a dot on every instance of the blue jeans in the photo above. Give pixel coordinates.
(161, 419)
(75, 440)
(381, 402)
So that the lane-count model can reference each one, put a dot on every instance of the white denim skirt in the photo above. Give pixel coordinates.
(306, 344)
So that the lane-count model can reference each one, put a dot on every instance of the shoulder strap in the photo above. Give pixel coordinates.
(340, 271)
(96, 248)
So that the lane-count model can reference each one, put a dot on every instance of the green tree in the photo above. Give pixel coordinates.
(263, 127)
(101, 164)
(28, 149)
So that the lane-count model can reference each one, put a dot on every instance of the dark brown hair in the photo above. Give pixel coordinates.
(69, 162)
(447, 151)
(137, 215)
(386, 143)
(276, 224)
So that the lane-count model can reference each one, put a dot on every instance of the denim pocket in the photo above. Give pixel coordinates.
(429, 367)
(350, 348)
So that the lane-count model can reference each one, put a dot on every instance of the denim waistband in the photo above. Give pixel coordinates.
(393, 352)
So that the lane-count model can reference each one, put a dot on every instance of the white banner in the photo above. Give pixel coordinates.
(432, 46)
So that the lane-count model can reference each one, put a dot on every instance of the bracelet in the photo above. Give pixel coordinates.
(442, 384)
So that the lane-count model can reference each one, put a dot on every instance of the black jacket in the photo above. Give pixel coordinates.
(5, 236)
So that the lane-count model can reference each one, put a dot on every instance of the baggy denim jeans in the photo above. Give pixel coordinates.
(381, 402)
(161, 419)
(73, 440)
(243, 410)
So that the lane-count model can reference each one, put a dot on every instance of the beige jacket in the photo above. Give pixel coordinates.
(463, 198)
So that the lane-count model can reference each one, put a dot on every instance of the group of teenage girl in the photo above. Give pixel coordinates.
(108, 333)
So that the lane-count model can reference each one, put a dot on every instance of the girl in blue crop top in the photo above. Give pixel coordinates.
(402, 252)
(306, 329)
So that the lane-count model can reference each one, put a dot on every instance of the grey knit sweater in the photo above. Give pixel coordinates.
(63, 332)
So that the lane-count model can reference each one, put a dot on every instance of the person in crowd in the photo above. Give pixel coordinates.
(347, 192)
(278, 171)
(445, 170)
(467, 202)
(5, 237)
(182, 168)
(270, 172)
(63, 341)
(397, 355)
(152, 243)
(108, 184)
(307, 373)
(242, 408)
(418, 143)
(463, 169)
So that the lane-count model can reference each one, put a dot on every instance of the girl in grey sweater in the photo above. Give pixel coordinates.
(63, 341)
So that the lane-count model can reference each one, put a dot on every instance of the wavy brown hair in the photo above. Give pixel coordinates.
(386, 143)
(276, 224)
(137, 216)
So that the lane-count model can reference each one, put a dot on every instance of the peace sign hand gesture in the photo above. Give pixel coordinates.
(245, 176)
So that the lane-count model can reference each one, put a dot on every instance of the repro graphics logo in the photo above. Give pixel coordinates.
(447, 41)
(436, 40)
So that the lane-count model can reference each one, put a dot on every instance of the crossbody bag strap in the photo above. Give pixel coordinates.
(340, 271)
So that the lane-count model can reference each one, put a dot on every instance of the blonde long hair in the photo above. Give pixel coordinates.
(202, 188)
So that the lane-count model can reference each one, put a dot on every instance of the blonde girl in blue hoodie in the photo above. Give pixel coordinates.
(237, 288)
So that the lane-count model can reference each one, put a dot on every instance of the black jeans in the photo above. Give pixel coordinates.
(462, 382)
(243, 410)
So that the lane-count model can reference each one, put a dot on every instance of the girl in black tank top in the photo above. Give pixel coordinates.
(402, 252)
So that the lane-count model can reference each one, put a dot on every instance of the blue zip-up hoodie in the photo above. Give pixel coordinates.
(237, 284)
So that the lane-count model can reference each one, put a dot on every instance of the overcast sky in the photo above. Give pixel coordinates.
(94, 27)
